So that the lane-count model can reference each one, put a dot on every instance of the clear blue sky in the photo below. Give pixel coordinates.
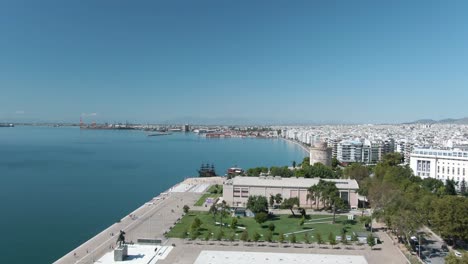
(263, 61)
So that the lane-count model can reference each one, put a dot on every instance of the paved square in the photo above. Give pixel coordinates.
(235, 257)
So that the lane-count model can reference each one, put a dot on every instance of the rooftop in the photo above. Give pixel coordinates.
(292, 182)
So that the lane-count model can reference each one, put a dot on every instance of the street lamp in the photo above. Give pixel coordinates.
(419, 240)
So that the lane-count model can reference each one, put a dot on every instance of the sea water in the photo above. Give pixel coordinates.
(60, 186)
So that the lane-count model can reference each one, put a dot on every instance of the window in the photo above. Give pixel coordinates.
(463, 171)
(237, 192)
(458, 171)
(245, 192)
(438, 169)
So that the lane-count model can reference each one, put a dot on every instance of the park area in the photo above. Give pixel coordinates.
(277, 228)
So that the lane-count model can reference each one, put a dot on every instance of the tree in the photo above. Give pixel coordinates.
(335, 162)
(354, 237)
(256, 236)
(293, 239)
(213, 210)
(257, 203)
(319, 170)
(232, 237)
(344, 240)
(290, 203)
(207, 236)
(278, 198)
(313, 194)
(319, 238)
(244, 236)
(186, 209)
(281, 171)
(357, 172)
(272, 200)
(261, 217)
(184, 233)
(281, 237)
(194, 234)
(305, 162)
(331, 239)
(463, 189)
(269, 236)
(432, 185)
(294, 164)
(330, 196)
(366, 220)
(370, 240)
(234, 223)
(392, 159)
(271, 227)
(452, 259)
(223, 211)
(219, 235)
(302, 211)
(196, 224)
(306, 238)
(450, 187)
(301, 222)
(449, 217)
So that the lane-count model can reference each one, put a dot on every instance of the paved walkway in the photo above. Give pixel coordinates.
(151, 220)
(187, 253)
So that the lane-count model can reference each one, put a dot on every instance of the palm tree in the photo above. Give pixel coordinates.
(313, 194)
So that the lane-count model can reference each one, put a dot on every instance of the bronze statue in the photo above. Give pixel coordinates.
(121, 238)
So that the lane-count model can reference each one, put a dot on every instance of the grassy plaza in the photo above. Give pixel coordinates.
(214, 192)
(284, 224)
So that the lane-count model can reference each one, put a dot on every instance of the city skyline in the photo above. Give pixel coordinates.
(244, 62)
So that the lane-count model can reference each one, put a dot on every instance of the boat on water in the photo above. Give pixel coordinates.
(7, 125)
(207, 171)
(234, 171)
(159, 134)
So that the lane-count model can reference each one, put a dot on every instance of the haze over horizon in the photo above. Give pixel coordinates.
(262, 62)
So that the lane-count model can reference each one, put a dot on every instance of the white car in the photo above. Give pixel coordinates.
(458, 254)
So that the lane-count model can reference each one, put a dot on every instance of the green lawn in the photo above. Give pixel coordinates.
(215, 189)
(284, 224)
(202, 199)
(214, 192)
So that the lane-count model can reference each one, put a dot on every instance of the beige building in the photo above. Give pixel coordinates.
(238, 189)
(321, 153)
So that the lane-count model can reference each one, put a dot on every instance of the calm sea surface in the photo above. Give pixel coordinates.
(61, 186)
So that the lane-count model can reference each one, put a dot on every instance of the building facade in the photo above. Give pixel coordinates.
(440, 164)
(237, 190)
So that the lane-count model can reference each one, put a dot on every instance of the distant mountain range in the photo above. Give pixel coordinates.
(460, 121)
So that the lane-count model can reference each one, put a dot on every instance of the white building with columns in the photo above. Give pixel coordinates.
(440, 164)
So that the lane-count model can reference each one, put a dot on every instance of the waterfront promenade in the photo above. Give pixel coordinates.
(304, 147)
(150, 220)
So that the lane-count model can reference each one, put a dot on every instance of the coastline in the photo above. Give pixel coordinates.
(305, 148)
(160, 213)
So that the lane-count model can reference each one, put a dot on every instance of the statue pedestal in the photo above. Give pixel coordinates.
(120, 253)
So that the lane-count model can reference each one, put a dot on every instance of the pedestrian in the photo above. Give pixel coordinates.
(74, 254)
